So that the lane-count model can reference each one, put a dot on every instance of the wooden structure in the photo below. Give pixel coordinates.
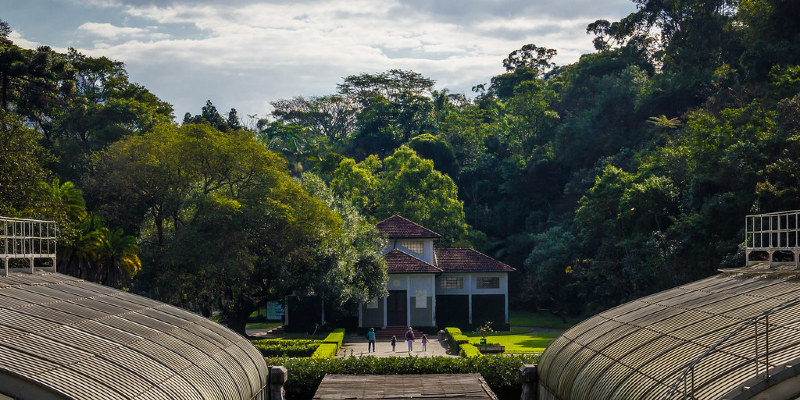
(428, 387)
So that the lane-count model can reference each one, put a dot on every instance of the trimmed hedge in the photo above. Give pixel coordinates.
(325, 350)
(286, 347)
(461, 341)
(337, 336)
(500, 372)
(330, 345)
(469, 350)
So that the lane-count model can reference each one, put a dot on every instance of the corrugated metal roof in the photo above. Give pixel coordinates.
(639, 349)
(87, 341)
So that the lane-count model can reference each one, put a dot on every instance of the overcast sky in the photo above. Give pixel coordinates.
(246, 53)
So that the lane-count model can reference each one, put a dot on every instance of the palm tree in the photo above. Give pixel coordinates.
(77, 254)
(117, 258)
(66, 200)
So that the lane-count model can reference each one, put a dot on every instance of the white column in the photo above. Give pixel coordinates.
(408, 300)
(286, 311)
(506, 296)
(433, 300)
(469, 291)
(360, 316)
(385, 312)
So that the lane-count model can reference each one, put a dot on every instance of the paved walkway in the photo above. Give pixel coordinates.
(357, 346)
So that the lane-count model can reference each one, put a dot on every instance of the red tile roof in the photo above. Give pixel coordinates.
(399, 262)
(396, 227)
(468, 260)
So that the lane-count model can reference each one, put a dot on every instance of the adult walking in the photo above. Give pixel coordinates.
(410, 339)
(371, 340)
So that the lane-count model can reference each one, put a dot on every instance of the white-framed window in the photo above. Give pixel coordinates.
(414, 245)
(488, 282)
(452, 283)
(373, 304)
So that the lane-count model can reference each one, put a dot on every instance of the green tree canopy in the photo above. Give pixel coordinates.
(404, 184)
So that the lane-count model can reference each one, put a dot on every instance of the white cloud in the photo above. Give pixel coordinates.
(20, 41)
(108, 31)
(244, 54)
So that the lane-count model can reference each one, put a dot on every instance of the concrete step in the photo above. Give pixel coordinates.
(399, 331)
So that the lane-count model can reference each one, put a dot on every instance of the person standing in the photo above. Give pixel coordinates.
(394, 342)
(410, 339)
(371, 340)
(424, 343)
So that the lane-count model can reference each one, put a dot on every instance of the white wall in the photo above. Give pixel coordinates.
(471, 282)
(411, 283)
(427, 245)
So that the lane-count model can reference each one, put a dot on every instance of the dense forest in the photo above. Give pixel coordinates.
(626, 172)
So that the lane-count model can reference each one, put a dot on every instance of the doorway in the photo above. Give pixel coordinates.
(396, 308)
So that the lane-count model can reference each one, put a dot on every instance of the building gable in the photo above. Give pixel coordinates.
(399, 262)
(397, 227)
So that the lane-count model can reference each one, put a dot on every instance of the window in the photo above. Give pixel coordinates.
(452, 283)
(489, 283)
(414, 245)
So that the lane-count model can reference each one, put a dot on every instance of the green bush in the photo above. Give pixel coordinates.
(468, 350)
(460, 340)
(500, 372)
(337, 336)
(286, 347)
(325, 350)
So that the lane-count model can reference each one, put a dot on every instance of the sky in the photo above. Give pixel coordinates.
(245, 53)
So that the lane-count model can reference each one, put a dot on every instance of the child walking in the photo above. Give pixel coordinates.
(424, 342)
(394, 342)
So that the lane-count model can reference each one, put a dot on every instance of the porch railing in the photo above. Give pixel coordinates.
(27, 239)
(772, 238)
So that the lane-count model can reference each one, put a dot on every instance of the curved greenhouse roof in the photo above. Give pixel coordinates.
(65, 338)
(726, 337)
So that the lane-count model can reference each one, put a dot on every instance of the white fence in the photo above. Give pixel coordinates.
(27, 239)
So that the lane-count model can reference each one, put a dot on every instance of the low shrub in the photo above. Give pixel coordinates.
(468, 350)
(286, 347)
(337, 336)
(459, 340)
(500, 372)
(325, 350)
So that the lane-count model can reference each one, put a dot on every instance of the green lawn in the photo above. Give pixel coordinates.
(517, 343)
(263, 325)
(540, 320)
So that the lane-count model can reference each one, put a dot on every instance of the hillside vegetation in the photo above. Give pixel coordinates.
(626, 172)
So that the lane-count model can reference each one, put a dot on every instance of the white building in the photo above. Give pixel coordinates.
(431, 287)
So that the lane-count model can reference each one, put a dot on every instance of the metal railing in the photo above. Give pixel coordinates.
(686, 378)
(771, 233)
(27, 239)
